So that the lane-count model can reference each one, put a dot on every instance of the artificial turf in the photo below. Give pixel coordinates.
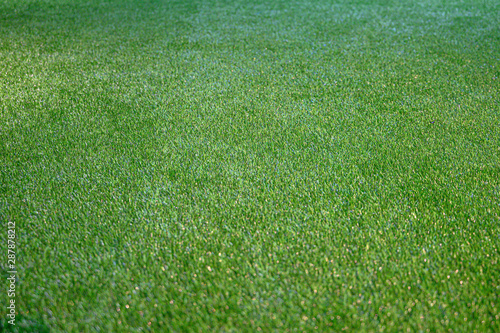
(251, 165)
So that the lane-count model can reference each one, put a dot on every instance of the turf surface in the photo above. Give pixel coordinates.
(251, 165)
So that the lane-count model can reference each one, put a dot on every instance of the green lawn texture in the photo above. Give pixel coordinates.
(242, 166)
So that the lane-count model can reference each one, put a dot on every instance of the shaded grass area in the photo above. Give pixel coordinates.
(194, 165)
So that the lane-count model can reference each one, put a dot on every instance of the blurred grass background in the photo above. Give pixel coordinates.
(236, 166)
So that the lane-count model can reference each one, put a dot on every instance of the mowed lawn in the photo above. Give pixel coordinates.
(242, 166)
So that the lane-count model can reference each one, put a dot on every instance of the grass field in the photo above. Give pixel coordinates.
(251, 166)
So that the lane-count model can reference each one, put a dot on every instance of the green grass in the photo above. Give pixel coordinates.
(249, 165)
